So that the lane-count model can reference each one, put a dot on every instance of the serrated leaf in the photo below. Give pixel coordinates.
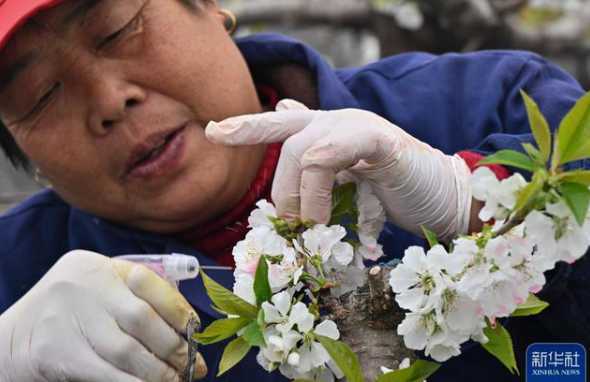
(253, 335)
(234, 352)
(220, 330)
(500, 346)
(261, 284)
(532, 306)
(573, 135)
(576, 176)
(344, 357)
(534, 153)
(417, 372)
(577, 198)
(530, 191)
(226, 301)
(510, 158)
(344, 203)
(430, 236)
(539, 126)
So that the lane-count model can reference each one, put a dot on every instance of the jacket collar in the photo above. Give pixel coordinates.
(272, 49)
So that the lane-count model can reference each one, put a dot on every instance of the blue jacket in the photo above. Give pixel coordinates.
(453, 102)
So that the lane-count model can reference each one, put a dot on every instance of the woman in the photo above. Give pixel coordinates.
(112, 101)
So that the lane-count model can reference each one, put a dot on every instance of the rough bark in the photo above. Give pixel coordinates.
(367, 319)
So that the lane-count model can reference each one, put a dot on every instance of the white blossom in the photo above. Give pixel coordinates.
(325, 242)
(260, 216)
(419, 280)
(493, 279)
(244, 287)
(286, 272)
(369, 248)
(278, 347)
(314, 359)
(262, 240)
(499, 196)
(286, 316)
(557, 234)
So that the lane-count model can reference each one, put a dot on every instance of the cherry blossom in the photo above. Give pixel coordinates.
(499, 196)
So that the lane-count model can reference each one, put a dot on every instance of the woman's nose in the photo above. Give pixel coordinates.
(112, 104)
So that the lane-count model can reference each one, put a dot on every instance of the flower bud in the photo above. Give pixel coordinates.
(293, 359)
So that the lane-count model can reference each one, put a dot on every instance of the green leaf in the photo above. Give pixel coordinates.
(234, 352)
(539, 126)
(530, 191)
(260, 318)
(417, 372)
(344, 357)
(534, 153)
(500, 346)
(532, 306)
(576, 176)
(577, 197)
(344, 203)
(511, 158)
(220, 330)
(573, 136)
(261, 285)
(253, 335)
(226, 301)
(430, 236)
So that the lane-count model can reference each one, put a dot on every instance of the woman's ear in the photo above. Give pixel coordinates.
(228, 19)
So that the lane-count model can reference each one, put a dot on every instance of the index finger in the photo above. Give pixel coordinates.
(263, 128)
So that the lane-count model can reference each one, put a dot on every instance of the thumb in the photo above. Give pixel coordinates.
(163, 297)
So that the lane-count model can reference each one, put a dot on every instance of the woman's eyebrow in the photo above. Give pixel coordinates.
(9, 75)
(79, 12)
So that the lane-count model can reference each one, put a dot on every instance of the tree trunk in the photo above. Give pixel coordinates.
(367, 319)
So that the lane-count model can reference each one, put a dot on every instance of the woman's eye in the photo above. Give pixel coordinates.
(43, 101)
(130, 27)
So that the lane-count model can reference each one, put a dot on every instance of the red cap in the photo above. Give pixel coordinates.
(14, 13)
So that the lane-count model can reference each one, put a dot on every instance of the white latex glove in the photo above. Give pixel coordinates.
(417, 184)
(94, 319)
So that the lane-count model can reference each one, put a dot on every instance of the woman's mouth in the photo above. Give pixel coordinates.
(159, 157)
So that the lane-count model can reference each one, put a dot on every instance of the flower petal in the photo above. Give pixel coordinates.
(282, 302)
(328, 329)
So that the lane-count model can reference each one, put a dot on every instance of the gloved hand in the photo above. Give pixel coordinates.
(91, 319)
(417, 184)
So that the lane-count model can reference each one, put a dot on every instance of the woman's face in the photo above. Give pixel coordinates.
(110, 98)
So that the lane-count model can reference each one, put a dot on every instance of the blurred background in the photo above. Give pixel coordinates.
(356, 32)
